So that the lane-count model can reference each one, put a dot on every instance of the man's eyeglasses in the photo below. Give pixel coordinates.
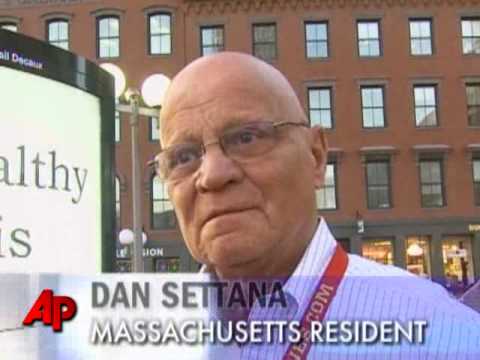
(238, 143)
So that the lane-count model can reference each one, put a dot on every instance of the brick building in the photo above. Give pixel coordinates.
(395, 83)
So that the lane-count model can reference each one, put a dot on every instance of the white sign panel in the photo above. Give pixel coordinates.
(50, 179)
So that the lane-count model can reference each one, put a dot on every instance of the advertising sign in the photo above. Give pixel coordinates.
(56, 207)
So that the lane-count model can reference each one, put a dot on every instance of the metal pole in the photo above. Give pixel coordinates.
(136, 186)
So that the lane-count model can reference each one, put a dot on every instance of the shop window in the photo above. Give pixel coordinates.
(457, 263)
(418, 255)
(167, 265)
(379, 250)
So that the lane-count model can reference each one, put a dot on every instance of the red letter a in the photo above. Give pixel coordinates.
(41, 310)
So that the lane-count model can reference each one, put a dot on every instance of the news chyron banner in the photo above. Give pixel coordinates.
(56, 160)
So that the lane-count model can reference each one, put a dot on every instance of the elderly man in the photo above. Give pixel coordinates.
(242, 165)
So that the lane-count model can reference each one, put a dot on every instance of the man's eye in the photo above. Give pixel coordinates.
(245, 137)
(183, 157)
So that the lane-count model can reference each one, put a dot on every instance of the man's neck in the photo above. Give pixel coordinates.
(279, 264)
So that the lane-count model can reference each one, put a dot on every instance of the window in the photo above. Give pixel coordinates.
(476, 180)
(118, 127)
(161, 207)
(57, 33)
(425, 105)
(320, 107)
(373, 113)
(154, 134)
(117, 201)
(211, 39)
(9, 26)
(471, 35)
(421, 37)
(265, 41)
(418, 255)
(327, 194)
(378, 184)
(316, 39)
(160, 34)
(473, 104)
(431, 183)
(108, 37)
(378, 250)
(369, 38)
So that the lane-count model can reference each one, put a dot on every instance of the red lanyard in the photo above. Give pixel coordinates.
(319, 303)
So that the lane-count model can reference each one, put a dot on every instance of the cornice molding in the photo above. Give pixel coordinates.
(232, 6)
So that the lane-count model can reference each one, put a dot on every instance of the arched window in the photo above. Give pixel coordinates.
(57, 33)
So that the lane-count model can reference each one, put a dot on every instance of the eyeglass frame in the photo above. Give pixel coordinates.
(155, 163)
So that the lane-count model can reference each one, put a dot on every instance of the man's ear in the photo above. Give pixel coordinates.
(319, 150)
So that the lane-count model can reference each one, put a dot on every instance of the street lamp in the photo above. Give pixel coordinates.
(153, 91)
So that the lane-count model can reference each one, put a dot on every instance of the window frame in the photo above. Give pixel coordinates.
(378, 21)
(211, 27)
(149, 33)
(47, 32)
(440, 161)
(265, 24)
(437, 115)
(152, 199)
(98, 19)
(373, 86)
(316, 22)
(331, 109)
(468, 18)
(468, 106)
(432, 42)
(376, 160)
(335, 187)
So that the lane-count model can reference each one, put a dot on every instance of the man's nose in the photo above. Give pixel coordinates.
(217, 170)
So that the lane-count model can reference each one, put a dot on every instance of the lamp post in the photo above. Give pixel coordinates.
(153, 90)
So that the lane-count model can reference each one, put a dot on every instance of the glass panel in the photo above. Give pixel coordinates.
(310, 30)
(103, 27)
(367, 98)
(165, 24)
(476, 170)
(425, 29)
(377, 97)
(373, 30)
(113, 27)
(154, 24)
(63, 30)
(379, 250)
(476, 28)
(430, 96)
(53, 31)
(362, 30)
(325, 99)
(9, 27)
(165, 44)
(414, 29)
(325, 118)
(419, 96)
(154, 132)
(466, 28)
(314, 98)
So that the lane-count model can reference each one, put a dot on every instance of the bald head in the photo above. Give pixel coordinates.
(209, 77)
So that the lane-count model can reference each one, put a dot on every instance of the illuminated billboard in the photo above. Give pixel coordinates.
(56, 160)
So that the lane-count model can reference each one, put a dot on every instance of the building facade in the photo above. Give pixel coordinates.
(395, 84)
